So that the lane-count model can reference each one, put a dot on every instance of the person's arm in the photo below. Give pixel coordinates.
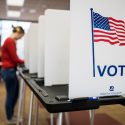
(13, 54)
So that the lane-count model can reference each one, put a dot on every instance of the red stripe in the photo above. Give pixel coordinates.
(108, 41)
(118, 21)
(121, 40)
(122, 44)
(110, 37)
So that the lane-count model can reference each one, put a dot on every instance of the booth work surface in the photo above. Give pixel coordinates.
(55, 98)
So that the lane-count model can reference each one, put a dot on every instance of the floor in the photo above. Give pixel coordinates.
(106, 115)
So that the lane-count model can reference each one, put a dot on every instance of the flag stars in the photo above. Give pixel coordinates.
(100, 22)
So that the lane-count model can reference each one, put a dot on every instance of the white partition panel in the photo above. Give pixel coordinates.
(56, 47)
(33, 40)
(97, 48)
(26, 49)
(41, 36)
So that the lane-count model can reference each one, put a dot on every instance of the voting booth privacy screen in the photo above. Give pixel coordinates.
(40, 51)
(97, 48)
(33, 42)
(26, 49)
(56, 47)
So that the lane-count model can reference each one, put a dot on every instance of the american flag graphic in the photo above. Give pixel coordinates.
(108, 29)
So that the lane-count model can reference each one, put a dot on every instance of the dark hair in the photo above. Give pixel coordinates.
(18, 29)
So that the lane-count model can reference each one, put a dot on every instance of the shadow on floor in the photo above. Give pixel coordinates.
(82, 118)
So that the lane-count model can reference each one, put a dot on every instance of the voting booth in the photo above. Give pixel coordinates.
(97, 47)
(80, 50)
(83, 48)
(56, 54)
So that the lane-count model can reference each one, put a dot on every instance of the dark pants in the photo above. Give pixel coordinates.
(12, 90)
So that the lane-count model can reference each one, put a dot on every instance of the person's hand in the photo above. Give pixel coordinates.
(21, 65)
(0, 63)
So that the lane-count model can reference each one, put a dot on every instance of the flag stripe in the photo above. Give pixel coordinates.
(112, 40)
(108, 41)
(122, 44)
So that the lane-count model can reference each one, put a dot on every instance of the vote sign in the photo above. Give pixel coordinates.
(97, 60)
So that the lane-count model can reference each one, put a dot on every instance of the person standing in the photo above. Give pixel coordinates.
(10, 61)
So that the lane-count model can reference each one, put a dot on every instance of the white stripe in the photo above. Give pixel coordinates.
(104, 30)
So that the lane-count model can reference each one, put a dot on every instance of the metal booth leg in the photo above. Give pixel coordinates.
(67, 118)
(36, 115)
(20, 104)
(51, 119)
(59, 119)
(92, 116)
(31, 108)
(36, 112)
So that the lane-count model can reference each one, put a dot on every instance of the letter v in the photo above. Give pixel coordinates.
(101, 72)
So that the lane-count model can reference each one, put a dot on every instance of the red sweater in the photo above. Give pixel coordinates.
(9, 54)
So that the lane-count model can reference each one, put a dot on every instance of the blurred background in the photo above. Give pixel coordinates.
(23, 12)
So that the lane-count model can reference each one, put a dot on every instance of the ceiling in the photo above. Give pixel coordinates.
(32, 9)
